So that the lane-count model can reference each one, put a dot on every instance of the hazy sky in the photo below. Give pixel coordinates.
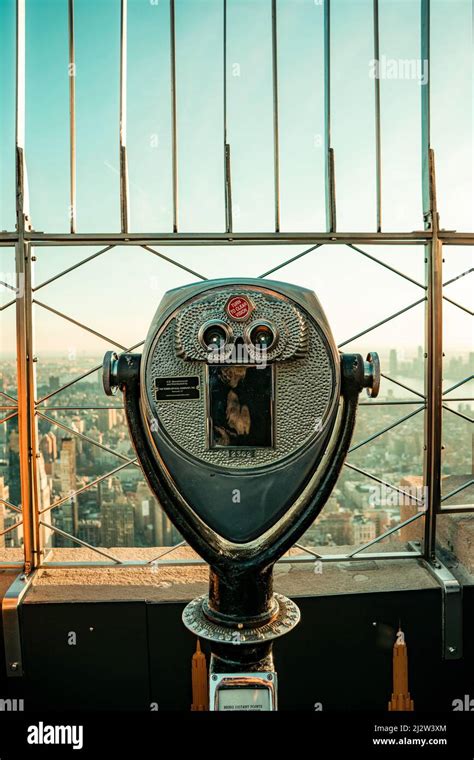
(117, 294)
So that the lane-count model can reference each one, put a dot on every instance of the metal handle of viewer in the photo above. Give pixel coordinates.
(372, 374)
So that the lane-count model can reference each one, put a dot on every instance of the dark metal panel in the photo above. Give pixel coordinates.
(336, 656)
(171, 649)
(107, 668)
(140, 653)
(339, 658)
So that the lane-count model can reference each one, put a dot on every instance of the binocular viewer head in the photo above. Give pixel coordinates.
(241, 410)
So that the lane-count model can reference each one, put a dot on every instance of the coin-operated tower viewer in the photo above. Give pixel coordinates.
(241, 410)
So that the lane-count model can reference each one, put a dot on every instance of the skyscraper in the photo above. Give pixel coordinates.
(393, 362)
(65, 473)
(13, 461)
(49, 449)
(117, 524)
(90, 531)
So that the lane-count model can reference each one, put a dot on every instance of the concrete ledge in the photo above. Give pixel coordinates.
(178, 583)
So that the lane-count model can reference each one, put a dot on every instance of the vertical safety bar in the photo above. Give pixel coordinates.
(227, 172)
(378, 142)
(174, 136)
(330, 184)
(124, 207)
(276, 132)
(72, 119)
(24, 325)
(434, 308)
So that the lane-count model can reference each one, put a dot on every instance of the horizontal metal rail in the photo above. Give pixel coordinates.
(218, 238)
(297, 559)
(415, 237)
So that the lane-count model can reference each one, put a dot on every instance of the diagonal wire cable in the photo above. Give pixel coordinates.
(382, 322)
(290, 260)
(459, 306)
(63, 499)
(387, 533)
(175, 263)
(88, 408)
(385, 430)
(6, 305)
(80, 542)
(458, 277)
(10, 505)
(458, 489)
(455, 279)
(79, 324)
(386, 266)
(383, 482)
(73, 267)
(68, 385)
(406, 387)
(7, 395)
(309, 551)
(12, 527)
(167, 551)
(458, 414)
(79, 378)
(85, 437)
(9, 416)
(457, 385)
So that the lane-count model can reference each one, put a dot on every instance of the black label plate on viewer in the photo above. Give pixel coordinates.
(176, 388)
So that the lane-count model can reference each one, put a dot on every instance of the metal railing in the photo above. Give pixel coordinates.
(25, 239)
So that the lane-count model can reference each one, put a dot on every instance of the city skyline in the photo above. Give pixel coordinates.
(89, 439)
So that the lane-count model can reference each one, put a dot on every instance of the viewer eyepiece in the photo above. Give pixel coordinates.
(214, 334)
(262, 335)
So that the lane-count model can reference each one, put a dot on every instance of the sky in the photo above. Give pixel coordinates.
(118, 292)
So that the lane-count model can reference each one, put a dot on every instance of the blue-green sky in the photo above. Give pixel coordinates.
(342, 278)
